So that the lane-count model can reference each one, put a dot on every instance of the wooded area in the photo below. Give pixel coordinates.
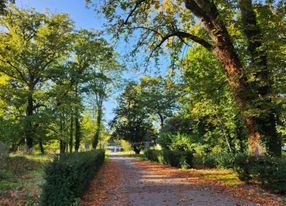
(212, 93)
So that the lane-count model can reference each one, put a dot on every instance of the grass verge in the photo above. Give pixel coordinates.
(21, 178)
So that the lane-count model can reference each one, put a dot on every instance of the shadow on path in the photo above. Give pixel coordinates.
(148, 185)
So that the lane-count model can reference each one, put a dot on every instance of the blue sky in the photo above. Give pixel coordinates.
(79, 13)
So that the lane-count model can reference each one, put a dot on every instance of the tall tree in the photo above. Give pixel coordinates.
(159, 96)
(208, 99)
(131, 119)
(30, 45)
(104, 75)
(235, 33)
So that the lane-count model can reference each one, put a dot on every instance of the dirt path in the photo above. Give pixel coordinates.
(127, 181)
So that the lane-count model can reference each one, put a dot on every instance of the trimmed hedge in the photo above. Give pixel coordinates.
(173, 158)
(68, 176)
(269, 171)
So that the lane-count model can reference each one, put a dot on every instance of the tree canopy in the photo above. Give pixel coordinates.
(237, 34)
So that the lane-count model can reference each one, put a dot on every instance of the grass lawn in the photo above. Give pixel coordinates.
(226, 176)
(284, 153)
(21, 178)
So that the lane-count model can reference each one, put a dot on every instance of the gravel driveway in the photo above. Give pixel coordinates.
(143, 187)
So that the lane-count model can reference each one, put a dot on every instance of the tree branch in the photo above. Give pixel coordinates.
(192, 37)
(138, 3)
(17, 70)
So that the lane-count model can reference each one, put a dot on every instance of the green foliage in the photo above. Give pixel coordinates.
(68, 176)
(173, 158)
(269, 171)
(158, 96)
(214, 160)
(227, 88)
(47, 69)
(125, 145)
(131, 120)
(204, 161)
(178, 142)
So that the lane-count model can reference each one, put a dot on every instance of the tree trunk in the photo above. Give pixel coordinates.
(62, 141)
(41, 146)
(77, 124)
(263, 83)
(71, 134)
(28, 126)
(136, 150)
(62, 146)
(259, 128)
(98, 127)
(161, 120)
(77, 132)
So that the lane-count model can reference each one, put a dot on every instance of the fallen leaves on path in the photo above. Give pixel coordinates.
(198, 180)
(109, 185)
(104, 189)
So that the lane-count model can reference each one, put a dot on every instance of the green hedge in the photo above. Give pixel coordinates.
(220, 160)
(269, 171)
(68, 176)
(173, 158)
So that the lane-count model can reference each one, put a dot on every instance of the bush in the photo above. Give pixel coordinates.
(269, 171)
(173, 158)
(68, 176)
(204, 161)
(220, 160)
(125, 145)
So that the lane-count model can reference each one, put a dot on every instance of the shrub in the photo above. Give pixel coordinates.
(220, 160)
(68, 176)
(125, 145)
(173, 158)
(269, 171)
(225, 160)
(204, 161)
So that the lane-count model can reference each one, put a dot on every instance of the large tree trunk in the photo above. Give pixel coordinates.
(261, 127)
(28, 126)
(263, 83)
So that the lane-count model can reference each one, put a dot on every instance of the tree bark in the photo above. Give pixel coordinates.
(62, 146)
(77, 125)
(28, 126)
(62, 141)
(263, 82)
(98, 128)
(161, 120)
(99, 113)
(259, 128)
(77, 131)
(136, 149)
(71, 134)
(41, 146)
